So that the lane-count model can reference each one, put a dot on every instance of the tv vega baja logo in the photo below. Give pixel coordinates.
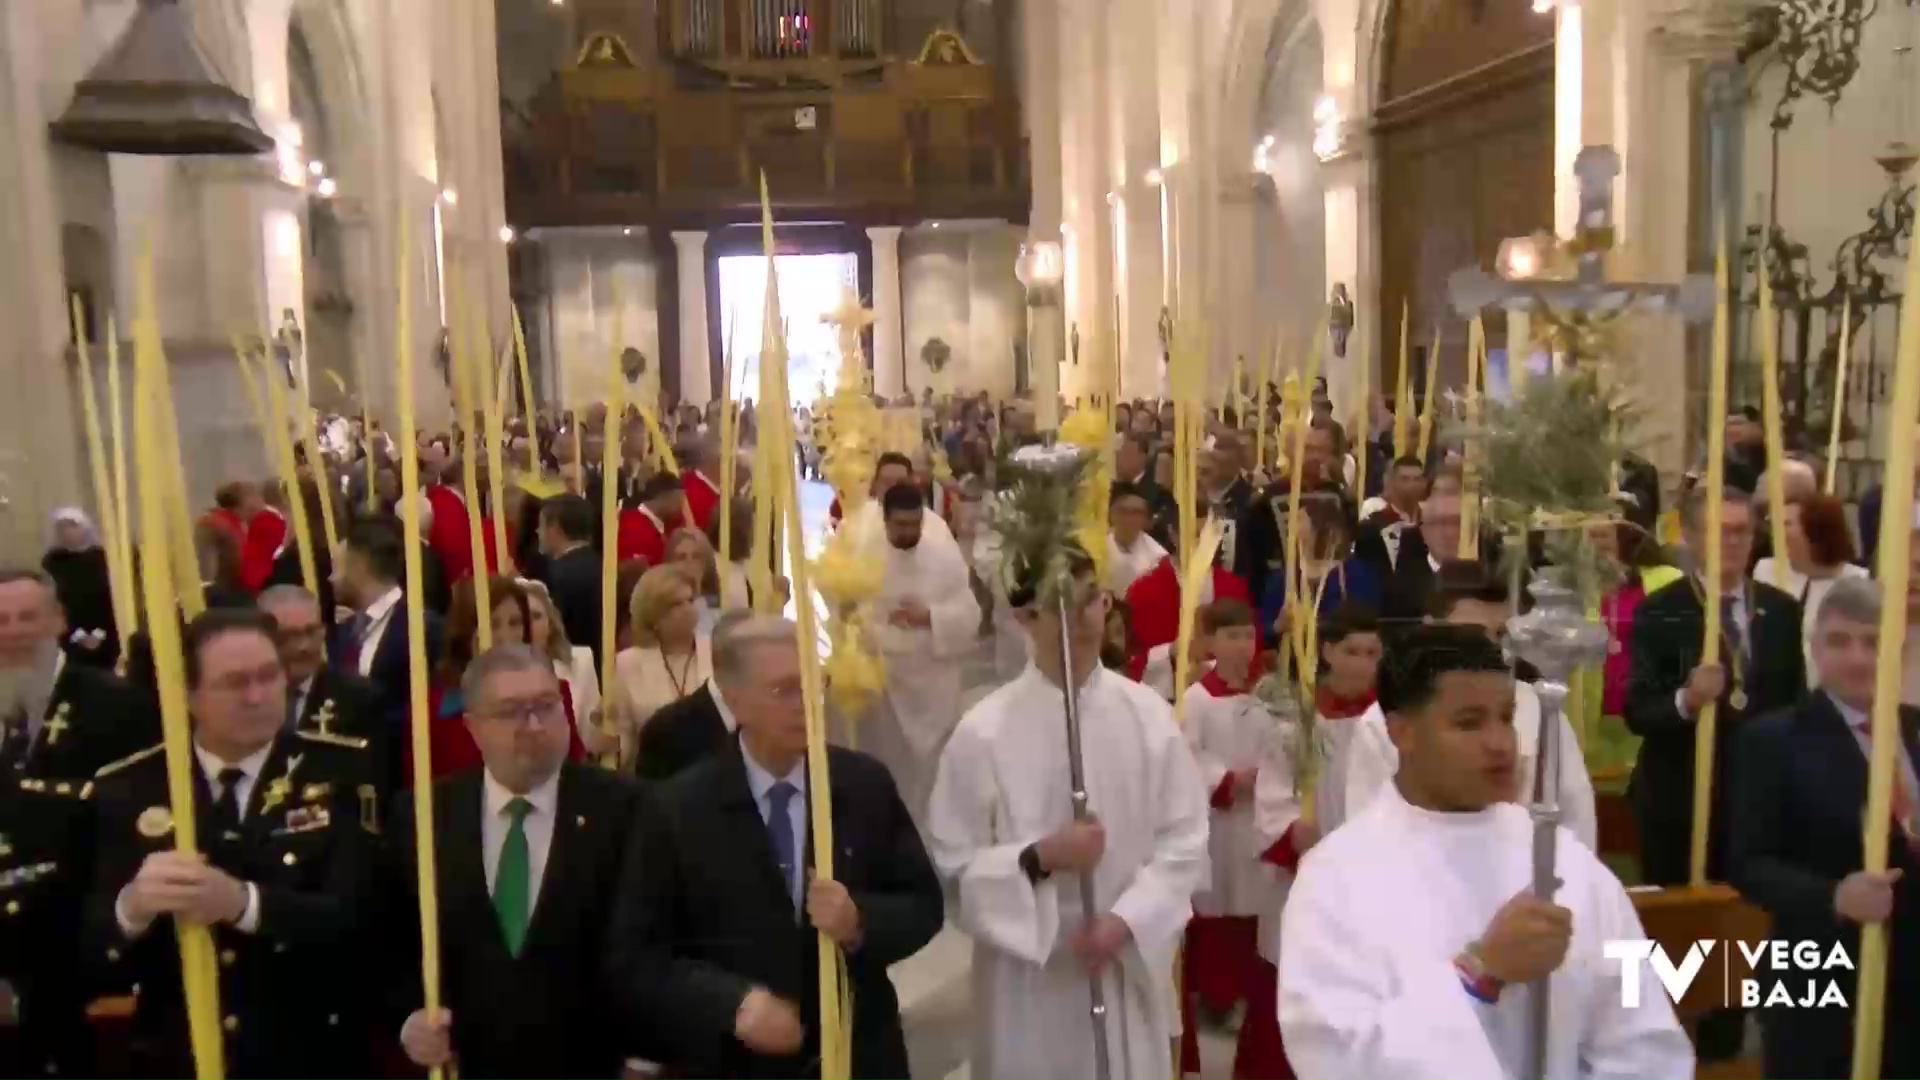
(1782, 974)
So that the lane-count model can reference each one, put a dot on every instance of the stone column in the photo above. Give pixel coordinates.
(38, 421)
(889, 374)
(696, 357)
(1086, 179)
(1135, 144)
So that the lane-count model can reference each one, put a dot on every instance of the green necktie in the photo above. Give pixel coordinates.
(512, 879)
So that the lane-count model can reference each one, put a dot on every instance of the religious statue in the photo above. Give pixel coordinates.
(288, 345)
(1166, 334)
(633, 363)
(1340, 318)
(1073, 344)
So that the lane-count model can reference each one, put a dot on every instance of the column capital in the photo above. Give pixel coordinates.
(690, 239)
(884, 234)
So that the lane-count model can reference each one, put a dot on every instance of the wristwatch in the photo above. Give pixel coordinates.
(1030, 864)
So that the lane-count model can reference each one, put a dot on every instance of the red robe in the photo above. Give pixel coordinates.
(229, 521)
(265, 535)
(1154, 600)
(703, 498)
(642, 536)
(493, 547)
(449, 537)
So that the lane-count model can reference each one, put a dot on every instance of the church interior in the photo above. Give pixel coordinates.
(1041, 201)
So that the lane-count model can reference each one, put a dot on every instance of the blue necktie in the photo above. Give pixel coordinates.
(780, 831)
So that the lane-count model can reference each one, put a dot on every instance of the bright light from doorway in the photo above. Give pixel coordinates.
(810, 287)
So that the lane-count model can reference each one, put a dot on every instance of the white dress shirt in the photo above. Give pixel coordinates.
(495, 821)
(211, 767)
(379, 614)
(760, 782)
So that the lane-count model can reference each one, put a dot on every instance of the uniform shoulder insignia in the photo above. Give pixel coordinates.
(113, 767)
(351, 742)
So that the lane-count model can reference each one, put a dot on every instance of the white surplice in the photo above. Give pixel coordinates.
(1372, 761)
(1125, 565)
(925, 666)
(1004, 784)
(1227, 732)
(1378, 913)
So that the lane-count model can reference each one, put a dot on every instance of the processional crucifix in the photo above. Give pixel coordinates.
(1580, 307)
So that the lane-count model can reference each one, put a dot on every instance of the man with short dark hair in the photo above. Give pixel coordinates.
(530, 849)
(644, 528)
(320, 698)
(373, 644)
(1367, 991)
(282, 825)
(1795, 842)
(573, 568)
(715, 940)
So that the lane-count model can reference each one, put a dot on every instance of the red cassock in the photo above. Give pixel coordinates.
(449, 537)
(642, 536)
(1154, 600)
(229, 521)
(492, 545)
(264, 537)
(703, 498)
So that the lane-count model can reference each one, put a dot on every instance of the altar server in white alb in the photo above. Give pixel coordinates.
(1470, 594)
(1234, 737)
(1002, 836)
(925, 623)
(1410, 930)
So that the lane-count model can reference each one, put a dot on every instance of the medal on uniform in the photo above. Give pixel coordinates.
(1738, 699)
(154, 822)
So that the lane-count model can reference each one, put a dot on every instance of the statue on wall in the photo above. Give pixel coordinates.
(1166, 334)
(945, 48)
(1340, 318)
(1073, 344)
(935, 354)
(633, 363)
(288, 345)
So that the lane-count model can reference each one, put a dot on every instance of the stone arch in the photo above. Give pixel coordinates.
(336, 57)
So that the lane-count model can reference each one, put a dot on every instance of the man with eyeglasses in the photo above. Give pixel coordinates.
(530, 847)
(319, 698)
(285, 858)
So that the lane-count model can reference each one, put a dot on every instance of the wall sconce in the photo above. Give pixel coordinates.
(1155, 178)
(1329, 129)
(1522, 258)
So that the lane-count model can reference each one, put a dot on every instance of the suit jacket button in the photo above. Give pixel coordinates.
(289, 858)
(279, 946)
(13, 907)
(226, 957)
(333, 1019)
(230, 1024)
(113, 954)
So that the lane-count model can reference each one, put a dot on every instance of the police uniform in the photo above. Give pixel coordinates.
(337, 703)
(91, 718)
(289, 1002)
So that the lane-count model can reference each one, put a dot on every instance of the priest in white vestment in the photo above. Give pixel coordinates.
(1410, 932)
(925, 623)
(1002, 836)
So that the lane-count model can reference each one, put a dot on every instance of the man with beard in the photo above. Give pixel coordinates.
(59, 723)
(926, 620)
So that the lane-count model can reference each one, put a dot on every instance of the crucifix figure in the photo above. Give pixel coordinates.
(56, 726)
(1587, 300)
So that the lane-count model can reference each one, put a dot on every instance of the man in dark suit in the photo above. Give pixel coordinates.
(694, 728)
(573, 568)
(60, 722)
(1761, 670)
(283, 867)
(530, 849)
(1259, 525)
(1422, 547)
(1795, 843)
(715, 935)
(373, 644)
(319, 698)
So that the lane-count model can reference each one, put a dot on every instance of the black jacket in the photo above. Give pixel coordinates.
(704, 917)
(292, 992)
(549, 1011)
(681, 735)
(347, 705)
(1667, 634)
(83, 584)
(573, 581)
(1795, 833)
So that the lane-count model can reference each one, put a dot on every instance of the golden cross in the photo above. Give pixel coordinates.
(851, 319)
(55, 726)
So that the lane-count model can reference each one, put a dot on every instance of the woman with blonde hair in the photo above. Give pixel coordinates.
(572, 664)
(669, 658)
(689, 551)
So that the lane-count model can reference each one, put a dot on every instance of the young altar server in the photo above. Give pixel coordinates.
(1002, 835)
(1232, 735)
(1407, 934)
(1350, 651)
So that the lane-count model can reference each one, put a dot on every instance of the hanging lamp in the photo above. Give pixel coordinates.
(155, 93)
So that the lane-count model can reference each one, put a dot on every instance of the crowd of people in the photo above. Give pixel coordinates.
(624, 873)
